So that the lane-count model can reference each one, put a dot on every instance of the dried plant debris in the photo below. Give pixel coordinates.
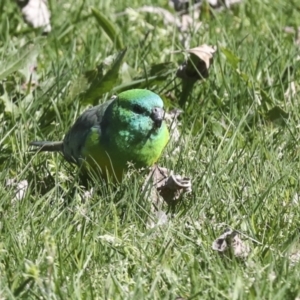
(293, 253)
(166, 185)
(158, 218)
(296, 32)
(290, 91)
(183, 22)
(20, 188)
(198, 63)
(190, 22)
(36, 13)
(288, 79)
(168, 17)
(230, 242)
(294, 257)
(189, 12)
(184, 5)
(163, 187)
(88, 194)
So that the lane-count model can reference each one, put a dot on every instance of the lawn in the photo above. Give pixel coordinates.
(238, 144)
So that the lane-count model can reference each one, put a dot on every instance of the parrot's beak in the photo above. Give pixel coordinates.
(157, 116)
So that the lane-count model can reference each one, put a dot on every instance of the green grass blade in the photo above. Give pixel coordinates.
(17, 61)
(106, 83)
(108, 28)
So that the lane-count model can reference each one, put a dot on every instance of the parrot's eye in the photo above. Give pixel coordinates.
(138, 109)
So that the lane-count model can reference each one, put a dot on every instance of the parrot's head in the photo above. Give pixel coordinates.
(135, 130)
(140, 111)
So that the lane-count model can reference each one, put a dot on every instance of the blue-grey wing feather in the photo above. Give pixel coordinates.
(74, 140)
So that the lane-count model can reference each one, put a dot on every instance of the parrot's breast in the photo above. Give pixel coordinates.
(111, 155)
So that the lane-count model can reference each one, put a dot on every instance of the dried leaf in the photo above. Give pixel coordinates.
(164, 186)
(188, 22)
(87, 195)
(184, 5)
(293, 252)
(240, 249)
(167, 185)
(289, 30)
(230, 242)
(204, 52)
(179, 5)
(294, 258)
(183, 23)
(36, 14)
(167, 16)
(228, 3)
(196, 67)
(20, 188)
(220, 244)
(291, 90)
(159, 218)
(295, 31)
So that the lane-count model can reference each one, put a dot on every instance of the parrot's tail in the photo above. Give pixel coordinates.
(48, 146)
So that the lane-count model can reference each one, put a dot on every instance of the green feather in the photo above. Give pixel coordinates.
(119, 131)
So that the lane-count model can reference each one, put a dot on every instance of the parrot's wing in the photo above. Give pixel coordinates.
(76, 137)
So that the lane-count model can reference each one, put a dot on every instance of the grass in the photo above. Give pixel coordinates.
(239, 144)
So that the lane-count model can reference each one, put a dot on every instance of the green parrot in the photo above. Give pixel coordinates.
(128, 128)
